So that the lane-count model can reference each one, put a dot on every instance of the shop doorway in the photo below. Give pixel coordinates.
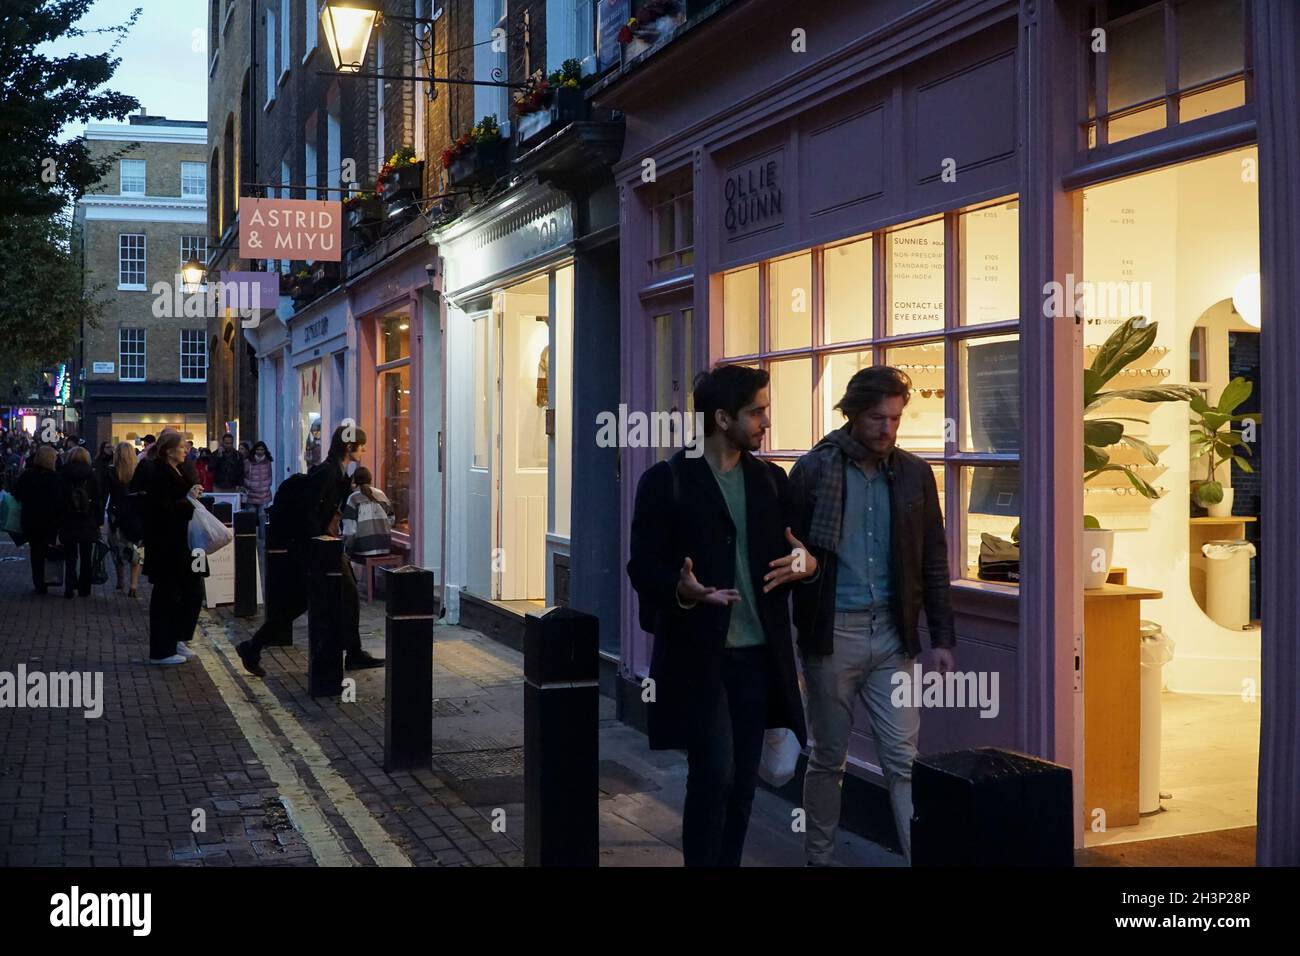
(508, 477)
(1171, 711)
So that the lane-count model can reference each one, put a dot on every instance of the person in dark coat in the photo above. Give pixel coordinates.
(103, 465)
(79, 530)
(125, 524)
(40, 492)
(326, 492)
(177, 586)
(712, 556)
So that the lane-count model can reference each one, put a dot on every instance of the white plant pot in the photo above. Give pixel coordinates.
(1221, 509)
(1098, 546)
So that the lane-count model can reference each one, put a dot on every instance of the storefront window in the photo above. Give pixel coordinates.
(740, 302)
(674, 228)
(846, 272)
(915, 283)
(976, 468)
(309, 415)
(1133, 89)
(789, 302)
(395, 450)
(394, 375)
(562, 403)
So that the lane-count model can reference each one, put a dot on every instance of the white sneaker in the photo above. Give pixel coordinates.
(184, 651)
(174, 659)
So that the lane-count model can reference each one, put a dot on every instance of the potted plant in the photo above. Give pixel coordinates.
(364, 207)
(553, 102)
(1122, 348)
(1209, 439)
(402, 177)
(478, 156)
(301, 286)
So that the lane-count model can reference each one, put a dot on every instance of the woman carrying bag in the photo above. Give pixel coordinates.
(177, 587)
(40, 493)
(79, 529)
(125, 527)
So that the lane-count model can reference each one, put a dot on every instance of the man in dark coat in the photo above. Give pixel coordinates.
(326, 491)
(82, 515)
(40, 492)
(711, 557)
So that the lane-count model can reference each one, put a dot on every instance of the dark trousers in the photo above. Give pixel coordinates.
(74, 550)
(722, 762)
(278, 626)
(39, 549)
(174, 610)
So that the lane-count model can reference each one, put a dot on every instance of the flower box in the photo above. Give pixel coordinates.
(565, 105)
(404, 182)
(365, 212)
(479, 164)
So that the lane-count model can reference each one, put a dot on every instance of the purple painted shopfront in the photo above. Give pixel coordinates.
(903, 183)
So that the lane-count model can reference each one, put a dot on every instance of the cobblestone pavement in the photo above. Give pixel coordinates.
(203, 765)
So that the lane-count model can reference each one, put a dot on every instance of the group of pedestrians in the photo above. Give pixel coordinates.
(727, 550)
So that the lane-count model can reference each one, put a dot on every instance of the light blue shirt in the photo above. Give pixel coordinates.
(862, 580)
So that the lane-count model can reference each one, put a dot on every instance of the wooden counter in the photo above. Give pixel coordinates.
(1112, 700)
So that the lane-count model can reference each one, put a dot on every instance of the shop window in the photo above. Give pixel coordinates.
(1134, 89)
(846, 274)
(908, 267)
(130, 355)
(673, 219)
(915, 280)
(394, 375)
(309, 415)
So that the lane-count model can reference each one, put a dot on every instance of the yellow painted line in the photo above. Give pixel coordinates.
(374, 838)
(326, 846)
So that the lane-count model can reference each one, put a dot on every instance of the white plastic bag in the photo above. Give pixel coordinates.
(206, 532)
(780, 757)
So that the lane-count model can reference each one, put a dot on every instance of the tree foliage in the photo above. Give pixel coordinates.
(40, 93)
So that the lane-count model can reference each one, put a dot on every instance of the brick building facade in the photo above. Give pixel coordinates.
(144, 365)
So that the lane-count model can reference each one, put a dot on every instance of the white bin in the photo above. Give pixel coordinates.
(1227, 582)
(1157, 650)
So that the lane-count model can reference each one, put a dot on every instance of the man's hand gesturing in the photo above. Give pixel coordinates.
(690, 591)
(795, 566)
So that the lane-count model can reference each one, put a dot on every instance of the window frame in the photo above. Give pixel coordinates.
(192, 353)
(203, 175)
(143, 285)
(681, 197)
(144, 181)
(143, 354)
(1097, 116)
(953, 334)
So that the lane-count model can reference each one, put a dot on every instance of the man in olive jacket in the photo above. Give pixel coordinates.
(870, 514)
(712, 554)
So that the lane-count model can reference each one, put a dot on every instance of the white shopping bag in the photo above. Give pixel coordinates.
(780, 757)
(206, 532)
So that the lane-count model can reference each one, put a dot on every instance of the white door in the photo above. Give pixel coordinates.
(523, 446)
(480, 524)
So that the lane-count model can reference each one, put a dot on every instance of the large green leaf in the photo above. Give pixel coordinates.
(1243, 464)
(1213, 421)
(1161, 393)
(1199, 404)
(1147, 451)
(1209, 492)
(1101, 433)
(1092, 384)
(1234, 393)
(1094, 459)
(1123, 347)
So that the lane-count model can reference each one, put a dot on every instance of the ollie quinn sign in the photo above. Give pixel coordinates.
(290, 229)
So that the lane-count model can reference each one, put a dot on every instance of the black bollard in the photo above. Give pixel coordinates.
(283, 583)
(991, 807)
(325, 618)
(245, 563)
(561, 748)
(408, 678)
